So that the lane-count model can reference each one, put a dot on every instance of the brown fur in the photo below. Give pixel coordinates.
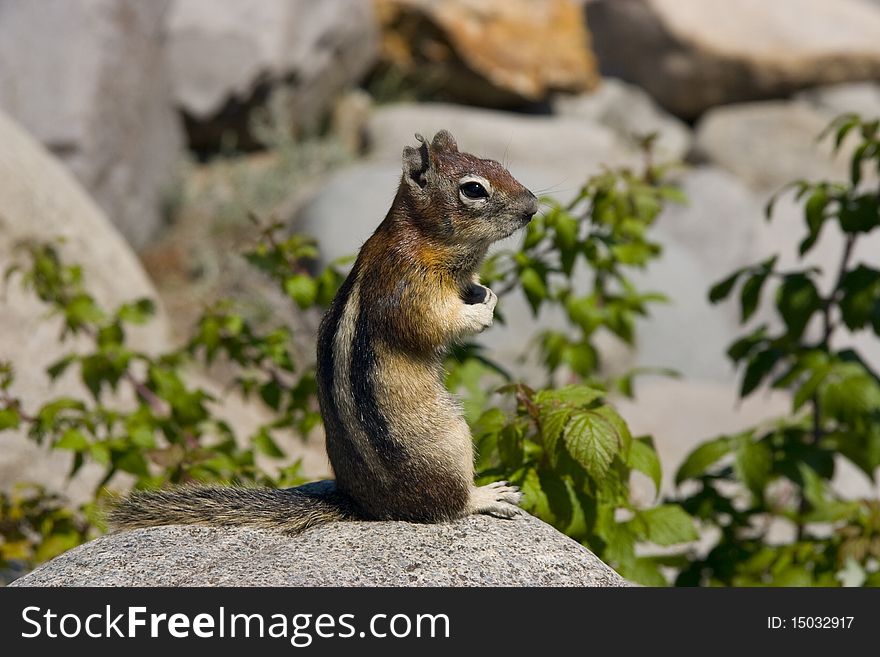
(397, 441)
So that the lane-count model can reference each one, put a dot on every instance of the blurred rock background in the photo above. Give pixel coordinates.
(145, 132)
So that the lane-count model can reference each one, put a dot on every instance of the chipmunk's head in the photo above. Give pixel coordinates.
(461, 198)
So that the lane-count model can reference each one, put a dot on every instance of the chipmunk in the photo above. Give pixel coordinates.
(398, 444)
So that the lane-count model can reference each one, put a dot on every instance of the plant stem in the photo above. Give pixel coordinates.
(11, 402)
(141, 390)
(828, 326)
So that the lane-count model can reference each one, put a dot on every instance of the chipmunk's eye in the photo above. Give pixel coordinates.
(474, 190)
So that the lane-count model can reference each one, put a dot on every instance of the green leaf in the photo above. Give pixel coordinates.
(643, 570)
(263, 441)
(722, 289)
(55, 544)
(581, 358)
(534, 497)
(810, 386)
(860, 214)
(771, 204)
(643, 457)
(50, 411)
(673, 194)
(624, 437)
(863, 450)
(132, 461)
(74, 440)
(270, 393)
(510, 446)
(585, 312)
(759, 366)
(303, 289)
(490, 422)
(860, 302)
(567, 240)
(632, 253)
(668, 524)
(797, 299)
(535, 232)
(559, 498)
(795, 575)
(547, 496)
(82, 310)
(593, 441)
(855, 169)
(534, 288)
(753, 464)
(100, 453)
(850, 393)
(750, 296)
(110, 336)
(621, 322)
(818, 494)
(844, 124)
(575, 395)
(814, 213)
(142, 437)
(9, 419)
(328, 283)
(553, 420)
(58, 368)
(744, 346)
(704, 457)
(138, 312)
(93, 374)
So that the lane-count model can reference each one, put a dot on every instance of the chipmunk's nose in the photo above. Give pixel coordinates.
(531, 207)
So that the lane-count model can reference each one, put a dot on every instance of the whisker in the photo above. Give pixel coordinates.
(555, 188)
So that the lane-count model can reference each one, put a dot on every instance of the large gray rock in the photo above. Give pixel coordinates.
(577, 147)
(703, 241)
(769, 144)
(863, 98)
(40, 200)
(631, 112)
(229, 55)
(348, 207)
(475, 551)
(88, 78)
(693, 54)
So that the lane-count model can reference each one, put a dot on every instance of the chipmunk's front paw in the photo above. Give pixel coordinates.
(498, 499)
(480, 314)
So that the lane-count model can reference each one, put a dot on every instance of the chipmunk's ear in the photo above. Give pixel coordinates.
(444, 141)
(416, 164)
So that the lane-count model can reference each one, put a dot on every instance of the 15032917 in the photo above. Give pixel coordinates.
(810, 622)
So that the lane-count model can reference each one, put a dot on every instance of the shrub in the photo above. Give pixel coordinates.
(784, 473)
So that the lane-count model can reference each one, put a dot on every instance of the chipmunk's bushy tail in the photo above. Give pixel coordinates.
(290, 510)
